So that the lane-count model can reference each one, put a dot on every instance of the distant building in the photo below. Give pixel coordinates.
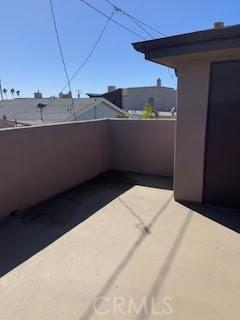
(65, 95)
(161, 98)
(38, 95)
(59, 110)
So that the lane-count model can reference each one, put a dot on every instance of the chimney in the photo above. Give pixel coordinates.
(111, 88)
(159, 83)
(218, 25)
(38, 95)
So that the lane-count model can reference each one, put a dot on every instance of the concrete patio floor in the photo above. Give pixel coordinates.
(120, 247)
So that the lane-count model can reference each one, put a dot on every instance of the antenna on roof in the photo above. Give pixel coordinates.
(79, 92)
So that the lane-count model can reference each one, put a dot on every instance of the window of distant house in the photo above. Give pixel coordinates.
(151, 101)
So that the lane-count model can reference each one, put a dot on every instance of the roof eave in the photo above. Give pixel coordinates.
(208, 40)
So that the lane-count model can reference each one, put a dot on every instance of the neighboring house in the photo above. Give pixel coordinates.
(65, 95)
(59, 110)
(162, 98)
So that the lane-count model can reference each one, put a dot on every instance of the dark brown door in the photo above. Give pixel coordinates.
(222, 157)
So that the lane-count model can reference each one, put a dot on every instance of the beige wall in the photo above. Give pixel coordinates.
(193, 84)
(145, 146)
(192, 105)
(38, 162)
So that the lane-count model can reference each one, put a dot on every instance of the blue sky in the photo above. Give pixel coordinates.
(29, 56)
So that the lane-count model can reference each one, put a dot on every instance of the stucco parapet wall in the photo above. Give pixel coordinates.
(41, 161)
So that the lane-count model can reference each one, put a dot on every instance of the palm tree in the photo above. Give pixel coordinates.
(18, 93)
(12, 92)
(5, 92)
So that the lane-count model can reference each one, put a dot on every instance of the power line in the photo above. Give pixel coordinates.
(92, 50)
(113, 20)
(138, 23)
(134, 19)
(87, 57)
(109, 18)
(140, 26)
(117, 9)
(146, 25)
(61, 53)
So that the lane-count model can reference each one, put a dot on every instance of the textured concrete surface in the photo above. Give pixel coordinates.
(141, 255)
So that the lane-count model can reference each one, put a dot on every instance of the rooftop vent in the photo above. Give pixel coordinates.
(159, 82)
(111, 88)
(218, 25)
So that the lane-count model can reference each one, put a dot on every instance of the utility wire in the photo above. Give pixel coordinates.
(140, 26)
(61, 53)
(87, 57)
(113, 20)
(109, 18)
(138, 23)
(117, 9)
(134, 19)
(92, 50)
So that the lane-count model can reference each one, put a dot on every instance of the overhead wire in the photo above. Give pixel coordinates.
(136, 19)
(92, 50)
(138, 22)
(119, 10)
(61, 54)
(88, 56)
(113, 20)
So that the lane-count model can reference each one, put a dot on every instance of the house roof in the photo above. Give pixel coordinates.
(92, 95)
(206, 40)
(26, 109)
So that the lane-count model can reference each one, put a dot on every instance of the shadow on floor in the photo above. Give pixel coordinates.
(226, 217)
(26, 233)
(124, 262)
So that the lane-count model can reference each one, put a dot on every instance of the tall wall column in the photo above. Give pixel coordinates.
(193, 87)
